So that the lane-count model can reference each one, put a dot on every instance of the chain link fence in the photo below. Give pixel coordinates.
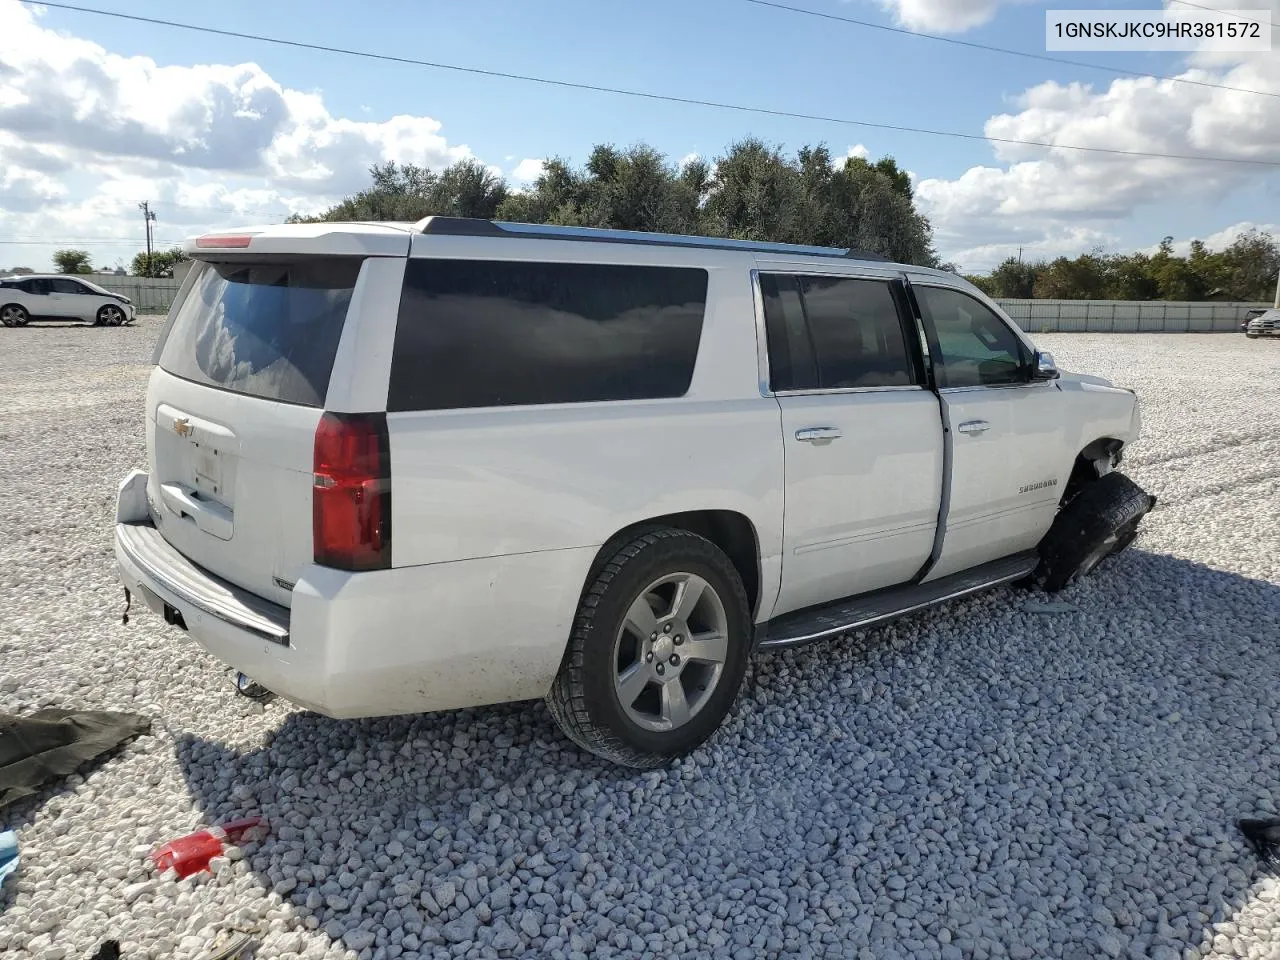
(149, 295)
(1126, 316)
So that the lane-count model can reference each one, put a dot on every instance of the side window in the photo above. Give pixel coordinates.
(857, 333)
(36, 286)
(791, 364)
(975, 347)
(59, 285)
(479, 333)
(834, 333)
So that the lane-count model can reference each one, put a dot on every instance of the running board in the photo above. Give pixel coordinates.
(855, 613)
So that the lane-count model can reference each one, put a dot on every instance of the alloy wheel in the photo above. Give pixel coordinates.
(670, 651)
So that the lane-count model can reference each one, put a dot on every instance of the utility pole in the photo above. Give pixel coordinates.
(1019, 256)
(1277, 303)
(148, 217)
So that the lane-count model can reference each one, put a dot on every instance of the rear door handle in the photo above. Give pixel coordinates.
(974, 426)
(818, 434)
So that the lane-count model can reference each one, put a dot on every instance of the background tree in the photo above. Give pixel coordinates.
(1014, 279)
(1246, 270)
(1084, 278)
(73, 261)
(753, 192)
(1250, 266)
(757, 194)
(161, 264)
(407, 192)
(638, 190)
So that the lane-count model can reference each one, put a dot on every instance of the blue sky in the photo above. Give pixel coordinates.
(211, 145)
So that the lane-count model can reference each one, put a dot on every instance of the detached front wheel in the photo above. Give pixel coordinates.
(1100, 522)
(658, 651)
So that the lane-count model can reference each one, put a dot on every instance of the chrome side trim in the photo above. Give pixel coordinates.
(831, 391)
(1024, 385)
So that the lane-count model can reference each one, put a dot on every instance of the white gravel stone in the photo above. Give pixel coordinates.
(1014, 775)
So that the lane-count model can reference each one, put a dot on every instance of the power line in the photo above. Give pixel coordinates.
(1198, 6)
(973, 45)
(643, 95)
(37, 242)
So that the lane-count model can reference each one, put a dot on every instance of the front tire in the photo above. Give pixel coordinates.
(109, 316)
(14, 315)
(658, 650)
(1100, 522)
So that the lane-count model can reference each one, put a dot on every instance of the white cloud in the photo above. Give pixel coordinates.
(527, 171)
(1066, 200)
(957, 16)
(859, 151)
(86, 133)
(687, 159)
(944, 16)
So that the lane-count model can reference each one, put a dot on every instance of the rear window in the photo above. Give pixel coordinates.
(479, 333)
(267, 329)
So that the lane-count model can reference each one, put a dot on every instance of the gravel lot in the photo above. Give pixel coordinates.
(978, 781)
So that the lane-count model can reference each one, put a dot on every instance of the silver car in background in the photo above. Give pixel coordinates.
(1265, 325)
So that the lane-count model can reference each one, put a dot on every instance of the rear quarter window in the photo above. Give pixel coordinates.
(266, 329)
(478, 333)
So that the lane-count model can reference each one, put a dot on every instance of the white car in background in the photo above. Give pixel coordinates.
(61, 297)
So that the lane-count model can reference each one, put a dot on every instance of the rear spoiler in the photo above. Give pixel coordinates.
(312, 239)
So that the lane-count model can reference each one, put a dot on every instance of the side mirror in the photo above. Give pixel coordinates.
(1043, 367)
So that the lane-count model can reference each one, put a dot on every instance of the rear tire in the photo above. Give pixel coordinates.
(14, 315)
(1101, 521)
(657, 653)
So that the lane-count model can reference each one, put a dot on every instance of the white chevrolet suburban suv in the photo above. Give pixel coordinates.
(396, 468)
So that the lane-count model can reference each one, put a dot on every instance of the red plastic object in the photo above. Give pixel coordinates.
(192, 853)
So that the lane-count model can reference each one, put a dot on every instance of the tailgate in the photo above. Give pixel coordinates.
(232, 410)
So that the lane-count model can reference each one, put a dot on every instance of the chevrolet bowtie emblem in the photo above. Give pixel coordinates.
(182, 427)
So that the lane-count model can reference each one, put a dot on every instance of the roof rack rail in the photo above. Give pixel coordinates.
(476, 227)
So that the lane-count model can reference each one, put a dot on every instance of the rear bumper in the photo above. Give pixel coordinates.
(159, 569)
(405, 640)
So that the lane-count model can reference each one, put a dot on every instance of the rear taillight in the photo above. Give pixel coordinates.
(351, 492)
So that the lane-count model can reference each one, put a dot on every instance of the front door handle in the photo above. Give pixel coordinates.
(818, 434)
(974, 426)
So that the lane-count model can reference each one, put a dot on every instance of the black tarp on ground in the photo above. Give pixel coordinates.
(49, 744)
